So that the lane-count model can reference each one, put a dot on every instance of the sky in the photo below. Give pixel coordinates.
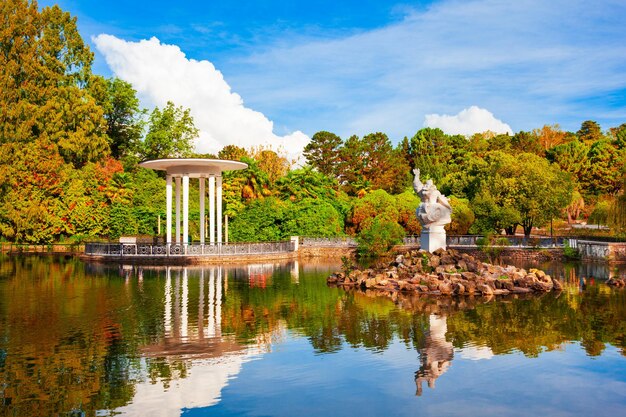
(275, 72)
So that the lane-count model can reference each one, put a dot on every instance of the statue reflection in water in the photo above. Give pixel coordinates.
(436, 355)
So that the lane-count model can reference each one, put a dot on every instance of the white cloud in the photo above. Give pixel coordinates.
(467, 122)
(534, 62)
(162, 73)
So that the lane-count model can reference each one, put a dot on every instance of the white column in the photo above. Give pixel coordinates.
(201, 306)
(177, 239)
(185, 307)
(211, 320)
(212, 209)
(168, 303)
(219, 210)
(185, 208)
(218, 303)
(201, 210)
(168, 209)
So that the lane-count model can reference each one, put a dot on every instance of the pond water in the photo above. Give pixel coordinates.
(273, 340)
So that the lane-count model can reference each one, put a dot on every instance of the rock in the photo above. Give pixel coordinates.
(447, 260)
(399, 259)
(445, 287)
(434, 261)
(422, 288)
(470, 276)
(507, 284)
(405, 286)
(501, 292)
(521, 290)
(455, 277)
(449, 268)
(459, 288)
(557, 285)
(537, 272)
(462, 265)
(369, 282)
(484, 289)
(541, 286)
(433, 284)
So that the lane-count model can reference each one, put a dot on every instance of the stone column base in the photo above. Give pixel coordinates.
(433, 238)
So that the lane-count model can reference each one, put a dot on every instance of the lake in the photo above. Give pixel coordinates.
(272, 339)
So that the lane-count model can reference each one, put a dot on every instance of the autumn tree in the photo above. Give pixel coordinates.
(371, 163)
(233, 152)
(275, 165)
(44, 68)
(550, 136)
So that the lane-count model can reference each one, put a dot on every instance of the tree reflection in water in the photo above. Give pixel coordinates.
(89, 337)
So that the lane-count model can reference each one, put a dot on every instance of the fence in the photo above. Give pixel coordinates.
(193, 249)
(452, 241)
(52, 248)
(510, 241)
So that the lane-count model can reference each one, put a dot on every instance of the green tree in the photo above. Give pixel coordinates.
(122, 113)
(379, 235)
(261, 220)
(527, 142)
(572, 157)
(407, 204)
(462, 216)
(589, 132)
(605, 170)
(171, 133)
(306, 183)
(44, 67)
(312, 217)
(323, 151)
(526, 184)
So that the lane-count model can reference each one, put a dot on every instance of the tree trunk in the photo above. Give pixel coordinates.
(510, 231)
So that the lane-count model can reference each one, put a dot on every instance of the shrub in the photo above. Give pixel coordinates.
(378, 236)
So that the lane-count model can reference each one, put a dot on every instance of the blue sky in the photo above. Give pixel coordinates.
(355, 67)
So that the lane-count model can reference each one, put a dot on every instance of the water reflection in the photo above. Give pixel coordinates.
(85, 338)
(436, 356)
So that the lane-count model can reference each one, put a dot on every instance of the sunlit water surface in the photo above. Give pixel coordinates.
(273, 340)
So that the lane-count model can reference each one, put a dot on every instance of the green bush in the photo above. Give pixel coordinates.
(378, 236)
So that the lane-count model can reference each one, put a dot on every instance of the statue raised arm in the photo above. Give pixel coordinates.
(417, 183)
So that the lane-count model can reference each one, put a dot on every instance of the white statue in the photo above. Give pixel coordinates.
(435, 208)
(434, 212)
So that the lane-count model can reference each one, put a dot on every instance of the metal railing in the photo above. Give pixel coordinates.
(51, 248)
(509, 241)
(192, 249)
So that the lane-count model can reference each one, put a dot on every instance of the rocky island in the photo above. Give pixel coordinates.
(446, 273)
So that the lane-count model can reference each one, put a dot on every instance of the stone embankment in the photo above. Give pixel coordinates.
(447, 273)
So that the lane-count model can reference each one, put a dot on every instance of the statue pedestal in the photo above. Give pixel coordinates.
(433, 238)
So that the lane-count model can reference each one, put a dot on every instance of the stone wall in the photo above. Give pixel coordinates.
(326, 252)
(609, 251)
